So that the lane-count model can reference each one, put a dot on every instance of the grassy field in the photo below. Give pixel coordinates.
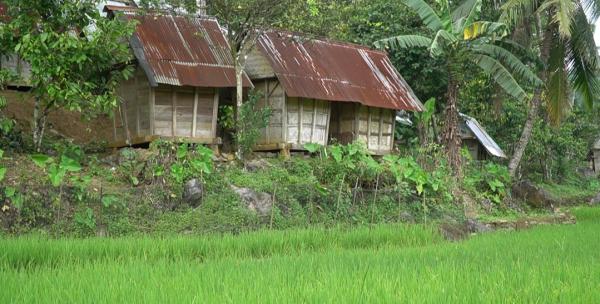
(387, 264)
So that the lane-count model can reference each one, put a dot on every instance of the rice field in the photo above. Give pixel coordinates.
(385, 264)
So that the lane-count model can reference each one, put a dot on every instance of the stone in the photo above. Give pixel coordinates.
(474, 226)
(407, 217)
(533, 195)
(594, 200)
(193, 191)
(259, 202)
(487, 205)
(257, 165)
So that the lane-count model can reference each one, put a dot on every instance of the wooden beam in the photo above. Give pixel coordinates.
(328, 122)
(125, 121)
(393, 130)
(368, 127)
(300, 120)
(268, 104)
(314, 121)
(137, 105)
(152, 102)
(381, 111)
(195, 112)
(284, 128)
(174, 105)
(215, 112)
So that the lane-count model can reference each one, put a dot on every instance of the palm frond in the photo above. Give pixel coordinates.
(465, 14)
(556, 96)
(510, 61)
(495, 30)
(514, 11)
(582, 60)
(563, 11)
(404, 42)
(426, 13)
(437, 44)
(500, 74)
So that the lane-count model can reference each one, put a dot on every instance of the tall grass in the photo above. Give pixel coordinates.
(550, 264)
(31, 252)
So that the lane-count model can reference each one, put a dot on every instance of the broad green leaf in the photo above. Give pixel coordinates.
(69, 164)
(336, 153)
(426, 12)
(9, 191)
(312, 147)
(2, 173)
(182, 151)
(56, 174)
(41, 160)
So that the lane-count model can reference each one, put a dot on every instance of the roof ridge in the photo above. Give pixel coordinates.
(327, 40)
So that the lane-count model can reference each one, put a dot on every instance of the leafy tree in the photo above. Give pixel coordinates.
(77, 57)
(563, 33)
(462, 41)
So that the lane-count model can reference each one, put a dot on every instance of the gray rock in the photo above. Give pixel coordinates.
(259, 202)
(487, 205)
(594, 200)
(257, 165)
(407, 217)
(193, 191)
(474, 226)
(533, 195)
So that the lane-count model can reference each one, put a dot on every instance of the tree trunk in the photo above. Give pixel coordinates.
(532, 116)
(239, 100)
(451, 132)
(39, 124)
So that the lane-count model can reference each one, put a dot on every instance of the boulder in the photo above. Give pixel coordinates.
(193, 191)
(474, 226)
(256, 165)
(594, 200)
(259, 202)
(533, 195)
(407, 217)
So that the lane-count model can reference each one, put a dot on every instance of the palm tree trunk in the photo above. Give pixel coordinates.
(536, 101)
(450, 134)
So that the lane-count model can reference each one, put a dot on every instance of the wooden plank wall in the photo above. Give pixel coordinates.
(132, 118)
(186, 112)
(307, 121)
(373, 126)
(18, 66)
(273, 97)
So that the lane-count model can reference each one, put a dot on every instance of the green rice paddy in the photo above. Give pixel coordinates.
(385, 264)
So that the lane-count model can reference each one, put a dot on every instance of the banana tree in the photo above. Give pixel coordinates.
(464, 41)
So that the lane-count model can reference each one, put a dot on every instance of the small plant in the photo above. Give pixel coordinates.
(251, 120)
(2, 168)
(491, 181)
(14, 196)
(189, 164)
(57, 170)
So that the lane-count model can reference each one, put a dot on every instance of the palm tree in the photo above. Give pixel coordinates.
(464, 41)
(564, 36)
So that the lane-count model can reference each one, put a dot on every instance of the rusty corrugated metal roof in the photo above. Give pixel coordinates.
(183, 51)
(328, 70)
(482, 136)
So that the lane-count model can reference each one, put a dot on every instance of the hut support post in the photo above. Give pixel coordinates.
(195, 112)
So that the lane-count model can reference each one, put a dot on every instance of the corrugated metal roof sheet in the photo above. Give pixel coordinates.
(335, 71)
(183, 51)
(483, 137)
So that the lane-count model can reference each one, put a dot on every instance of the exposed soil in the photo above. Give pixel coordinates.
(60, 122)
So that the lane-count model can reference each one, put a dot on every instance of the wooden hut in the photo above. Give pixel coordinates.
(594, 157)
(479, 143)
(321, 90)
(183, 66)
